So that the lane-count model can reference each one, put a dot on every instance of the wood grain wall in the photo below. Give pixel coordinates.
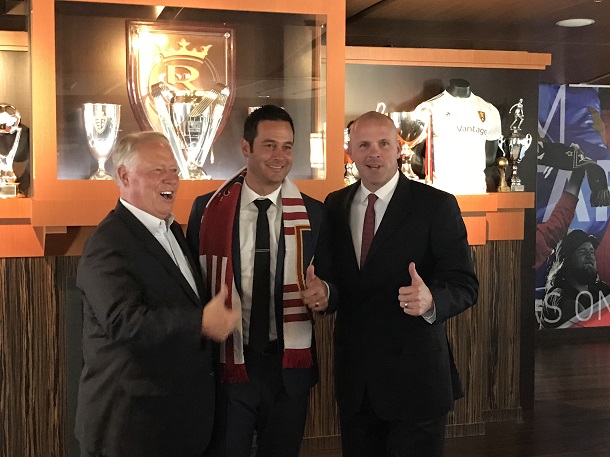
(32, 355)
(33, 385)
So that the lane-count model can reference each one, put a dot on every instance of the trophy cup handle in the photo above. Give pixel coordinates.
(527, 142)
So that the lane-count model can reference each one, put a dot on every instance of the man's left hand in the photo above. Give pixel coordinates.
(415, 299)
(315, 295)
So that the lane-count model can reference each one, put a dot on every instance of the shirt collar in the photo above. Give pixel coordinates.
(152, 223)
(384, 193)
(248, 195)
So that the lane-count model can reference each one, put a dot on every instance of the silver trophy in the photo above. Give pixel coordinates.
(412, 127)
(190, 120)
(517, 144)
(9, 125)
(102, 126)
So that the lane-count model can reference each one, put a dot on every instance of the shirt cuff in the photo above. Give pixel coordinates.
(430, 315)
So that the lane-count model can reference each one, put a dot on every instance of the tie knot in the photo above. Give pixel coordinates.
(372, 198)
(262, 204)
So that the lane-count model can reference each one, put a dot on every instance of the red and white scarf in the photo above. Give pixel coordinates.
(215, 248)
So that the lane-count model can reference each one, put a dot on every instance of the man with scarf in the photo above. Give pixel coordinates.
(264, 386)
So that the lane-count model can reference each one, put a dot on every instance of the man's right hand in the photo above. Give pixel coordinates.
(218, 322)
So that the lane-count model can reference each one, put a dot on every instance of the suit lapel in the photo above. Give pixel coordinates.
(154, 248)
(345, 230)
(397, 211)
(177, 231)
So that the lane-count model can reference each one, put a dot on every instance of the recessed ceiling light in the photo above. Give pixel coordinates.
(575, 22)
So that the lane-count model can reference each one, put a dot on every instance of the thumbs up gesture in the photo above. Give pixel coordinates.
(415, 299)
(217, 321)
(315, 295)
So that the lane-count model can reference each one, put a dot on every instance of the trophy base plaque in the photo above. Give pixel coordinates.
(9, 190)
(517, 188)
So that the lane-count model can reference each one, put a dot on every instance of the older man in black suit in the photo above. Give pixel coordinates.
(147, 386)
(402, 266)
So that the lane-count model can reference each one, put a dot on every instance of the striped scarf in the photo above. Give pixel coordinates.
(215, 248)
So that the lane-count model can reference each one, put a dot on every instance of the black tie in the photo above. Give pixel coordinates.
(261, 285)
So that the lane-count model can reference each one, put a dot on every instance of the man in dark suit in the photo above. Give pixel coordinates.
(147, 386)
(269, 364)
(402, 266)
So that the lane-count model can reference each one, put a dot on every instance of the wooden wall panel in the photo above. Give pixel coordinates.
(322, 427)
(33, 386)
(32, 355)
(502, 275)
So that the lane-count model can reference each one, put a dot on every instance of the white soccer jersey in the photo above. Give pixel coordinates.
(460, 128)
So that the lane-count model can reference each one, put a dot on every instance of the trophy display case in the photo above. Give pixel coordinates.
(82, 54)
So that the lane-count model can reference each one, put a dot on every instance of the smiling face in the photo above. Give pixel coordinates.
(151, 180)
(269, 157)
(374, 149)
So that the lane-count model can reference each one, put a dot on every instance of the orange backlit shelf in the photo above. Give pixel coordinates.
(495, 216)
(35, 227)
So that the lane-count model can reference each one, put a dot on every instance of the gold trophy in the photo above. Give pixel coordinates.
(501, 164)
(9, 125)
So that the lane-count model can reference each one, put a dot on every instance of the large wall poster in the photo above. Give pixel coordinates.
(572, 200)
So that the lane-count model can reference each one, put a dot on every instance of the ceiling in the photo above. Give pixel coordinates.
(579, 55)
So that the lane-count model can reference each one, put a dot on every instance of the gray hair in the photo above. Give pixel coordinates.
(126, 151)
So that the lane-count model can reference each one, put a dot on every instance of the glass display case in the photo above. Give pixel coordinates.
(286, 54)
(119, 54)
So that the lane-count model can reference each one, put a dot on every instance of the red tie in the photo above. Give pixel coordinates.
(368, 228)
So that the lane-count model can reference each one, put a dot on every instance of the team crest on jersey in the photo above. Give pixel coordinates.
(482, 116)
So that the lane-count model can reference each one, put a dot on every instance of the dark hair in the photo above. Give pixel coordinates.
(561, 254)
(264, 113)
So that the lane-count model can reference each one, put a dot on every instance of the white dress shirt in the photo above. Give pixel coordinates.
(248, 213)
(359, 204)
(356, 221)
(161, 231)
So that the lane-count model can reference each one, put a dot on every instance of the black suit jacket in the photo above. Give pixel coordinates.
(296, 380)
(147, 386)
(404, 363)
